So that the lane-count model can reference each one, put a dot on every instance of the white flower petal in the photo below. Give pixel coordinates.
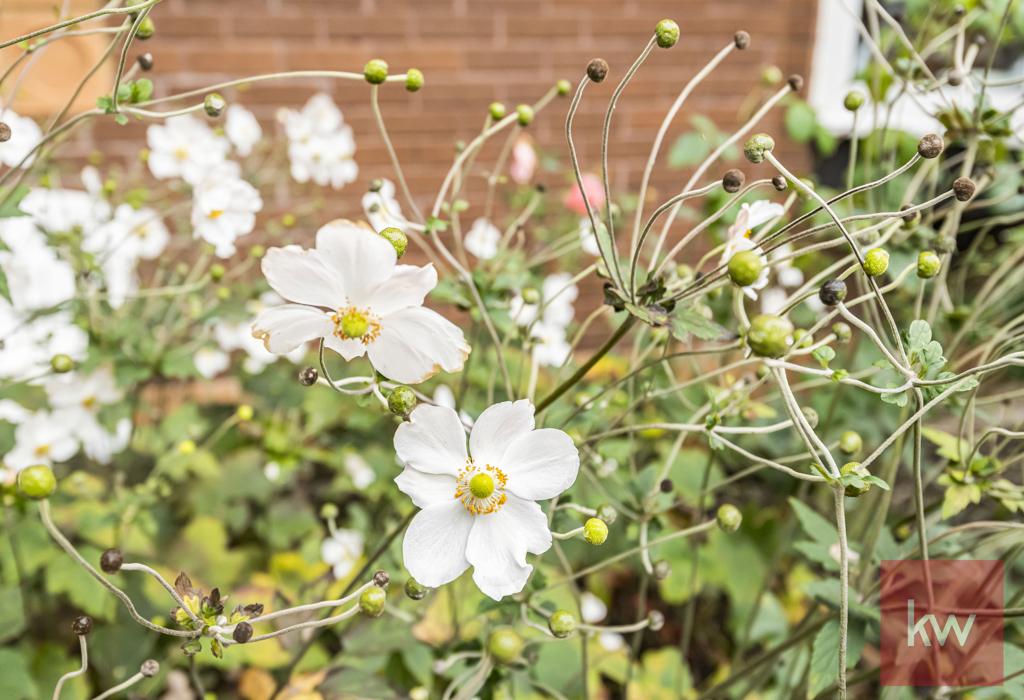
(499, 542)
(432, 441)
(349, 348)
(408, 286)
(497, 428)
(425, 489)
(361, 258)
(286, 327)
(300, 276)
(417, 343)
(541, 464)
(434, 548)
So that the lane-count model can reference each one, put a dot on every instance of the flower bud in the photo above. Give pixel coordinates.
(530, 295)
(111, 561)
(524, 114)
(728, 517)
(145, 61)
(928, 264)
(607, 513)
(505, 645)
(779, 183)
(372, 601)
(662, 569)
(842, 331)
(756, 146)
(963, 188)
(375, 71)
(562, 623)
(217, 272)
(810, 415)
(733, 180)
(795, 82)
(37, 482)
(860, 470)
(61, 364)
(667, 33)
(770, 335)
(401, 401)
(655, 620)
(415, 590)
(5, 132)
(745, 267)
(496, 110)
(771, 76)
(563, 87)
(910, 218)
(398, 240)
(82, 625)
(945, 243)
(741, 39)
(832, 292)
(381, 578)
(242, 632)
(146, 29)
(666, 486)
(595, 531)
(850, 442)
(308, 376)
(214, 104)
(876, 262)
(955, 78)
(149, 668)
(257, 251)
(930, 146)
(244, 412)
(597, 69)
(853, 101)
(186, 447)
(413, 79)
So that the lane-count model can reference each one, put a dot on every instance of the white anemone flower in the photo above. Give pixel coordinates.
(132, 234)
(79, 399)
(26, 266)
(42, 438)
(342, 551)
(320, 145)
(223, 210)
(479, 507)
(557, 294)
(749, 218)
(588, 239)
(382, 209)
(350, 292)
(551, 346)
(210, 362)
(25, 136)
(30, 341)
(242, 129)
(482, 239)
(62, 210)
(184, 147)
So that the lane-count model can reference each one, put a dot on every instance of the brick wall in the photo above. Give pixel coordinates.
(473, 52)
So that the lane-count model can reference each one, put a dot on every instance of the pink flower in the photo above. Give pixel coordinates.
(595, 193)
(524, 161)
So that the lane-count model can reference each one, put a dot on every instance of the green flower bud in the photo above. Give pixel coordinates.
(61, 364)
(667, 33)
(756, 146)
(850, 442)
(214, 104)
(910, 219)
(853, 101)
(257, 252)
(505, 645)
(770, 335)
(860, 470)
(562, 623)
(876, 262)
(146, 29)
(186, 447)
(413, 79)
(842, 331)
(563, 87)
(37, 482)
(496, 110)
(372, 601)
(524, 114)
(530, 295)
(745, 267)
(398, 240)
(401, 401)
(810, 415)
(771, 76)
(244, 412)
(928, 264)
(595, 531)
(415, 590)
(217, 272)
(728, 517)
(328, 511)
(607, 513)
(801, 338)
(375, 71)
(832, 292)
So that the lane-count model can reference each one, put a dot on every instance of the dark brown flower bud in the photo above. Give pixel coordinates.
(111, 560)
(963, 188)
(82, 625)
(930, 146)
(5, 132)
(796, 82)
(955, 78)
(666, 486)
(149, 668)
(145, 61)
(741, 39)
(308, 376)
(242, 633)
(382, 579)
(959, 11)
(733, 180)
(597, 69)
(779, 183)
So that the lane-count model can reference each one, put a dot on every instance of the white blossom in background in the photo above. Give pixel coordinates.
(524, 160)
(548, 320)
(210, 362)
(478, 507)
(482, 239)
(222, 210)
(13, 412)
(550, 346)
(350, 292)
(30, 341)
(131, 235)
(64, 210)
(29, 263)
(320, 145)
(444, 396)
(382, 209)
(342, 551)
(184, 147)
(237, 335)
(359, 470)
(42, 438)
(25, 136)
(242, 129)
(592, 608)
(79, 398)
(588, 239)
(739, 237)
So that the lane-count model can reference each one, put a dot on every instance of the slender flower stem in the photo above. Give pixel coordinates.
(844, 586)
(392, 154)
(84, 647)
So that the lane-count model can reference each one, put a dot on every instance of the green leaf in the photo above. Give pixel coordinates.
(16, 681)
(687, 321)
(142, 90)
(10, 207)
(958, 497)
(801, 123)
(949, 446)
(689, 149)
(824, 668)
(814, 525)
(824, 355)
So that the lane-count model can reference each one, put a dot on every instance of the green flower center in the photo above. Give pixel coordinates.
(481, 485)
(355, 324)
